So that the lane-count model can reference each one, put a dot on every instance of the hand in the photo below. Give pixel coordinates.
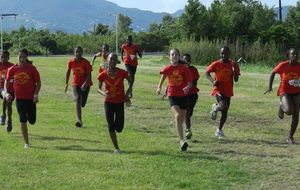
(186, 90)
(35, 98)
(268, 91)
(8, 97)
(66, 88)
(83, 87)
(158, 91)
(163, 96)
(216, 83)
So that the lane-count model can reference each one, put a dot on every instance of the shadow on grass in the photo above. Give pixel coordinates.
(55, 138)
(254, 142)
(260, 155)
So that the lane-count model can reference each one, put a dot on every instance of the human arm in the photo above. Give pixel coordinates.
(161, 81)
(122, 54)
(209, 77)
(94, 57)
(272, 76)
(67, 79)
(36, 91)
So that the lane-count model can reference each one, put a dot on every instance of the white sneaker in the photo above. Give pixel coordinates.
(219, 133)
(213, 112)
(183, 145)
(117, 151)
(188, 134)
(26, 146)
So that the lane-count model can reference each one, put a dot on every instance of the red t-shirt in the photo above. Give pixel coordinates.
(24, 80)
(178, 78)
(114, 87)
(224, 74)
(80, 70)
(195, 76)
(287, 72)
(131, 52)
(3, 70)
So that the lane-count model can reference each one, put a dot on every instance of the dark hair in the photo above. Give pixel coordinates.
(187, 55)
(105, 46)
(25, 51)
(289, 50)
(5, 52)
(225, 48)
(79, 47)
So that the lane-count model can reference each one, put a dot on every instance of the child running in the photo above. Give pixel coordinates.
(288, 90)
(81, 82)
(26, 85)
(114, 94)
(225, 71)
(131, 62)
(6, 106)
(179, 84)
(103, 54)
(192, 95)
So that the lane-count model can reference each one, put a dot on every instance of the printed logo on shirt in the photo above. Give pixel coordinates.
(21, 78)
(2, 74)
(78, 71)
(113, 88)
(291, 76)
(225, 75)
(176, 78)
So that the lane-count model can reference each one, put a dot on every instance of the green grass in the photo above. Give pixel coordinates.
(252, 156)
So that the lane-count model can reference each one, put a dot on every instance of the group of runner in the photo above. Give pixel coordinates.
(22, 82)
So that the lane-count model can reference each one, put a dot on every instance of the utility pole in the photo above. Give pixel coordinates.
(280, 11)
(2, 16)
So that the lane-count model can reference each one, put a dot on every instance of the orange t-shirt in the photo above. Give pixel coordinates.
(178, 78)
(80, 70)
(3, 69)
(131, 52)
(24, 80)
(287, 72)
(195, 76)
(224, 74)
(114, 86)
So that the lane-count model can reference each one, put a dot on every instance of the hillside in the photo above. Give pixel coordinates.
(72, 16)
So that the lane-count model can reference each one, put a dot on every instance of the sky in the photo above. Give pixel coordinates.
(171, 6)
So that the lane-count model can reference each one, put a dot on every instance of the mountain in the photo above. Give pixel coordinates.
(72, 16)
(284, 11)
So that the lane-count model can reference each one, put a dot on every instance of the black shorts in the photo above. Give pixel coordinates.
(80, 94)
(26, 110)
(178, 101)
(221, 97)
(114, 113)
(191, 102)
(130, 69)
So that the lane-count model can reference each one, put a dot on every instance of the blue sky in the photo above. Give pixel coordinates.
(171, 6)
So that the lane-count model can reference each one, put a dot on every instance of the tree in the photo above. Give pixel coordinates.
(100, 29)
(124, 23)
(49, 44)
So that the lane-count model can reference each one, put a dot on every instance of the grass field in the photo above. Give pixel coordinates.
(253, 155)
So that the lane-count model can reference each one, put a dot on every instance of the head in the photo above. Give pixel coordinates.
(174, 55)
(292, 55)
(78, 52)
(4, 56)
(112, 60)
(224, 53)
(105, 48)
(129, 39)
(187, 59)
(23, 56)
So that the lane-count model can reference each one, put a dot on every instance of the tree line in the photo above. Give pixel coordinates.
(248, 27)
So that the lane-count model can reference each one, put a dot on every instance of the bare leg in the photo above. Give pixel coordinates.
(223, 107)
(24, 131)
(179, 115)
(4, 106)
(295, 117)
(9, 111)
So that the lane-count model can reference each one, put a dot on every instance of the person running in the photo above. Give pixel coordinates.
(114, 94)
(192, 95)
(131, 62)
(103, 57)
(225, 70)
(288, 90)
(26, 85)
(179, 84)
(6, 106)
(81, 82)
